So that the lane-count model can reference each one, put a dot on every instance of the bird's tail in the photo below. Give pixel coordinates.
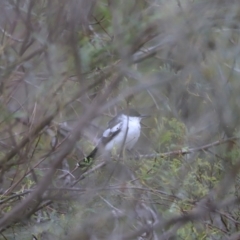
(88, 160)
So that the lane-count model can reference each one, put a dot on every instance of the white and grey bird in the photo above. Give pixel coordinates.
(123, 132)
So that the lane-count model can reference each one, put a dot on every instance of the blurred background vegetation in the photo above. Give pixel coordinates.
(68, 66)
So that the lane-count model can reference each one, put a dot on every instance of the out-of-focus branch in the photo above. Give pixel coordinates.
(15, 195)
(26, 139)
(10, 36)
(35, 197)
(179, 152)
(203, 207)
(44, 123)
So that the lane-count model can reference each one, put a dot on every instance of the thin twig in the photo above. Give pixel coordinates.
(185, 151)
(10, 36)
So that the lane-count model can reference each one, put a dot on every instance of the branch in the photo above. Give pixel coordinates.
(26, 139)
(90, 171)
(10, 36)
(185, 151)
(44, 123)
(15, 195)
(33, 200)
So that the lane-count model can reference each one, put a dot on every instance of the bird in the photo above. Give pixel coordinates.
(123, 132)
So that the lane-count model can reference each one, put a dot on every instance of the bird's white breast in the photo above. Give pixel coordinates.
(130, 132)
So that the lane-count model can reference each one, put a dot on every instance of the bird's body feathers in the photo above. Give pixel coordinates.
(123, 132)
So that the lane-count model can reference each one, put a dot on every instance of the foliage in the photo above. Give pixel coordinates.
(67, 67)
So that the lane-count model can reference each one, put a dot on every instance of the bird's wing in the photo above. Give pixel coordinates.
(110, 132)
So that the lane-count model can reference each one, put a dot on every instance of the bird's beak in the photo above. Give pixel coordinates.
(145, 116)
